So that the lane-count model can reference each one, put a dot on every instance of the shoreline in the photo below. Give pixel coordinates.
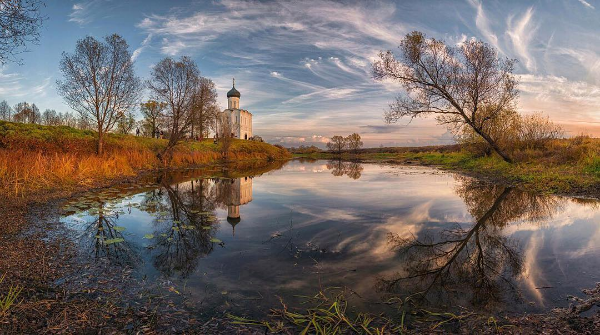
(527, 178)
(39, 212)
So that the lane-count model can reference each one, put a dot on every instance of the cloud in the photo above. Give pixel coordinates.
(483, 24)
(13, 87)
(587, 4)
(385, 129)
(322, 24)
(85, 12)
(557, 96)
(138, 51)
(521, 34)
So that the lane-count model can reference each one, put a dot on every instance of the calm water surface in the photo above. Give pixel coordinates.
(235, 239)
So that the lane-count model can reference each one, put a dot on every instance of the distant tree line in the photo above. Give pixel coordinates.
(25, 112)
(305, 149)
(340, 143)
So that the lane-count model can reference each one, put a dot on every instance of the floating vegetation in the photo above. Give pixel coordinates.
(215, 240)
(119, 228)
(149, 236)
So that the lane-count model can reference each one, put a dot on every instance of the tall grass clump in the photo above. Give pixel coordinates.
(9, 299)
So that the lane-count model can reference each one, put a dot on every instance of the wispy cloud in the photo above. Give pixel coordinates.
(321, 24)
(483, 24)
(83, 12)
(138, 51)
(13, 87)
(521, 32)
(587, 4)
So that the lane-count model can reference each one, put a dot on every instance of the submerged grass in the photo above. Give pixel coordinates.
(328, 314)
(34, 157)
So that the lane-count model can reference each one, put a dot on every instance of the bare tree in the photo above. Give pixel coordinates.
(337, 144)
(25, 112)
(51, 118)
(353, 142)
(36, 116)
(454, 83)
(68, 119)
(5, 111)
(226, 129)
(126, 123)
(20, 21)
(204, 107)
(99, 82)
(175, 83)
(152, 112)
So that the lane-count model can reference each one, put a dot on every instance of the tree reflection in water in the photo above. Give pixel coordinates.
(339, 168)
(185, 233)
(107, 237)
(477, 263)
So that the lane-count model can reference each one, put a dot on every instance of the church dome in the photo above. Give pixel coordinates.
(233, 93)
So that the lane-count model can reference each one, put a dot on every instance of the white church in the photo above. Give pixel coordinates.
(235, 122)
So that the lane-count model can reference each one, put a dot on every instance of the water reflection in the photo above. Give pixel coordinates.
(293, 230)
(477, 262)
(339, 168)
(107, 238)
(182, 212)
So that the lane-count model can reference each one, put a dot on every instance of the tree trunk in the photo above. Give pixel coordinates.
(100, 144)
(496, 148)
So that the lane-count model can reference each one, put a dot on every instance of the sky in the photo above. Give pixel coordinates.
(304, 67)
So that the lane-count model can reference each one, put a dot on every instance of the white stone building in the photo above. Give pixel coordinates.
(235, 122)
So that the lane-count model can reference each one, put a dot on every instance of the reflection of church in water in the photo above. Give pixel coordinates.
(239, 193)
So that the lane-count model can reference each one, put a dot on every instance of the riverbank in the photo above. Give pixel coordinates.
(43, 288)
(36, 158)
(59, 291)
(567, 167)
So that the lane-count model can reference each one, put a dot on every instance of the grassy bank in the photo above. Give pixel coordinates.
(568, 166)
(36, 158)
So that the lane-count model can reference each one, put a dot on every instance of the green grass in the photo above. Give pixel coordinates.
(9, 299)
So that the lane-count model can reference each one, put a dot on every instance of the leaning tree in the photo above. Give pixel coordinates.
(467, 87)
(99, 82)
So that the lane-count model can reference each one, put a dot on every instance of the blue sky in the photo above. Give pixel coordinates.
(303, 67)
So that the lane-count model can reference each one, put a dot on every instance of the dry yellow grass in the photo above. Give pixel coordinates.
(37, 158)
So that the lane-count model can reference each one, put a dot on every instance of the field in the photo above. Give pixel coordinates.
(39, 158)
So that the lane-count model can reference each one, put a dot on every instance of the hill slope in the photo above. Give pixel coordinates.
(34, 157)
